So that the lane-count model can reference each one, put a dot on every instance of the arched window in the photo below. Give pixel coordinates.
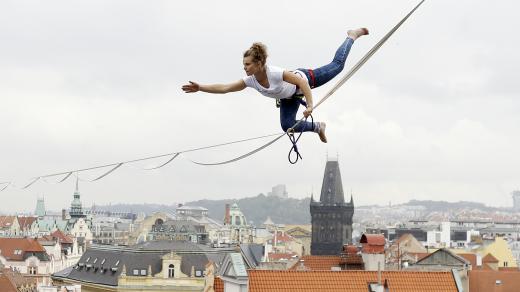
(171, 271)
(159, 222)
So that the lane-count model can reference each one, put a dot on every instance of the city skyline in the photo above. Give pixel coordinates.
(433, 114)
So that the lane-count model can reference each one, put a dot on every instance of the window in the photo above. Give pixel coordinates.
(143, 272)
(95, 260)
(135, 272)
(171, 271)
(117, 263)
(505, 264)
(32, 270)
(103, 261)
(198, 273)
(88, 259)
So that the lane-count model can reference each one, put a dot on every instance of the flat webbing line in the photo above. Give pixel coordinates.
(367, 56)
(342, 81)
(68, 173)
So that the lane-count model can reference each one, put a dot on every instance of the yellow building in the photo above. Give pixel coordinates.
(501, 251)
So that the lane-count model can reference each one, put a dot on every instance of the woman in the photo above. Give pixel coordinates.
(287, 86)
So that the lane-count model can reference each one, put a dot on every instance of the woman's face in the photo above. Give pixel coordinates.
(250, 66)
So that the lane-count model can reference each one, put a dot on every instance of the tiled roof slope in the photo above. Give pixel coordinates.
(470, 257)
(6, 285)
(14, 281)
(9, 245)
(489, 258)
(218, 285)
(373, 243)
(26, 222)
(348, 281)
(485, 280)
(62, 237)
(318, 263)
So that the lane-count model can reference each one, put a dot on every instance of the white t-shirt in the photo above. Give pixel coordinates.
(277, 87)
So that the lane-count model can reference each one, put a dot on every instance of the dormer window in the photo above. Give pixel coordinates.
(171, 271)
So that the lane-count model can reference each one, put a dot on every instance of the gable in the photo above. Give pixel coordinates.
(443, 257)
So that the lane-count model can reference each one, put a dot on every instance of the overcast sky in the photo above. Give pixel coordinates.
(434, 115)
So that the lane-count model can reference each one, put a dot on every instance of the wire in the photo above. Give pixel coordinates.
(116, 165)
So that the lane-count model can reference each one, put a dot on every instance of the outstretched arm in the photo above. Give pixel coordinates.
(214, 88)
(305, 88)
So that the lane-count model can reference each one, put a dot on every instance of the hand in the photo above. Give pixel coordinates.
(192, 87)
(308, 111)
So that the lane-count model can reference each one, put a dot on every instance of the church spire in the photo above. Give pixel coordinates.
(76, 209)
(332, 187)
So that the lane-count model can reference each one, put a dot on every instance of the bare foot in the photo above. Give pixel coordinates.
(321, 133)
(355, 33)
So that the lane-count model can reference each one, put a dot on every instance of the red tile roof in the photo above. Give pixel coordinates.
(348, 281)
(6, 285)
(350, 249)
(486, 280)
(6, 221)
(11, 280)
(281, 256)
(218, 285)
(509, 269)
(489, 258)
(62, 237)
(471, 258)
(282, 237)
(373, 243)
(46, 238)
(26, 222)
(8, 246)
(318, 263)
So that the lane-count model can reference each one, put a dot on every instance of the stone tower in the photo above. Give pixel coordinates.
(331, 217)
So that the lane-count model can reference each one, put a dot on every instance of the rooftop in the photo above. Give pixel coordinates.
(349, 281)
(15, 248)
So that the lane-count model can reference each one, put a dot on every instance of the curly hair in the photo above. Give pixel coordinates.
(258, 51)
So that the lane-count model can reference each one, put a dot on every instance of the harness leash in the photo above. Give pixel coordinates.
(293, 138)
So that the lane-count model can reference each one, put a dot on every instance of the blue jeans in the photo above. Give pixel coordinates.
(316, 77)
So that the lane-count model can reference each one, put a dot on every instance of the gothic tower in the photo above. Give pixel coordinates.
(331, 217)
(76, 210)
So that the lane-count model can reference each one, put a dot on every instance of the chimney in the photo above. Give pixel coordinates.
(227, 216)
